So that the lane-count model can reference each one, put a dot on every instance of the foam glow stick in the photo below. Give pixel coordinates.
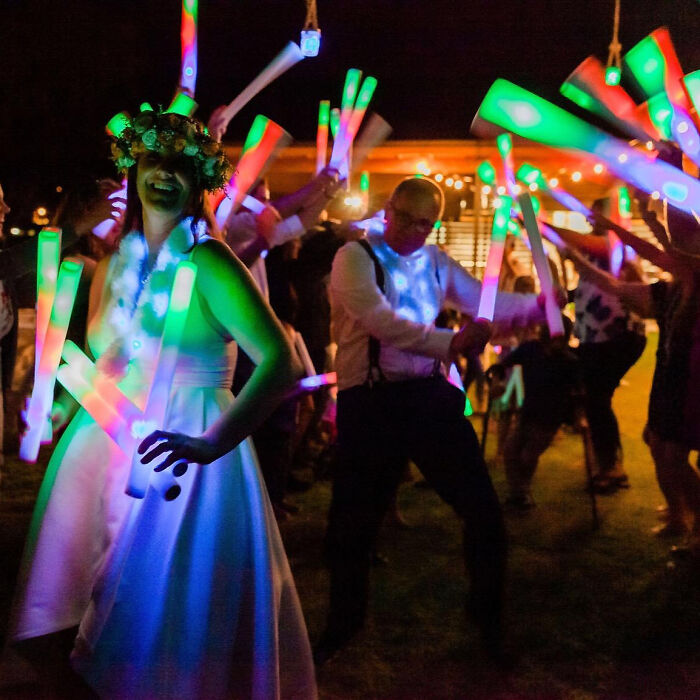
(82, 380)
(264, 141)
(374, 133)
(556, 326)
(318, 380)
(47, 363)
(48, 256)
(515, 109)
(166, 360)
(350, 124)
(691, 83)
(352, 83)
(486, 172)
(335, 122)
(290, 55)
(660, 111)
(303, 353)
(686, 134)
(655, 66)
(188, 42)
(530, 175)
(324, 112)
(504, 143)
(182, 104)
(499, 231)
(586, 87)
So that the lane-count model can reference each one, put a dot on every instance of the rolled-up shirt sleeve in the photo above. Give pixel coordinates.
(353, 284)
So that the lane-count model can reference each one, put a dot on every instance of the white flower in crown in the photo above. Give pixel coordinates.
(136, 246)
(160, 303)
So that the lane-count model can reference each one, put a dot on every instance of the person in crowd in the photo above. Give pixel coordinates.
(552, 385)
(7, 327)
(673, 424)
(611, 339)
(192, 597)
(394, 403)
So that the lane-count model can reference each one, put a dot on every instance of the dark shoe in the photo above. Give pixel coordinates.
(522, 503)
(602, 485)
(329, 644)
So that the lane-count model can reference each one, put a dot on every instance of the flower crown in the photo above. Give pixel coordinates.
(169, 132)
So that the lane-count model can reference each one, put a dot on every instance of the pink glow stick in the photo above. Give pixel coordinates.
(264, 141)
(47, 363)
(104, 228)
(351, 117)
(324, 115)
(489, 287)
(188, 41)
(552, 312)
(318, 380)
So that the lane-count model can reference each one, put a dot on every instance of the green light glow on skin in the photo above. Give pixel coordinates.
(486, 172)
(182, 104)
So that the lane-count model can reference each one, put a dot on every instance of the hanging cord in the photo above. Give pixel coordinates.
(615, 45)
(311, 21)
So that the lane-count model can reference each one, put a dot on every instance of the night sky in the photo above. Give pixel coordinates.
(67, 66)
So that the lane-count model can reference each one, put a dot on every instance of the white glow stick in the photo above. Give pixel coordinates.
(289, 56)
(489, 287)
(300, 347)
(552, 312)
(374, 133)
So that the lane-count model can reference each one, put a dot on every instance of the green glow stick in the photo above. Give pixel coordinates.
(118, 123)
(515, 109)
(691, 82)
(556, 326)
(335, 121)
(324, 111)
(47, 364)
(499, 231)
(48, 256)
(661, 113)
(364, 181)
(182, 104)
(486, 172)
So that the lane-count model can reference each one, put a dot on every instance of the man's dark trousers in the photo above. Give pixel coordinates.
(379, 428)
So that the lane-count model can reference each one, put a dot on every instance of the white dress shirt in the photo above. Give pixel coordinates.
(417, 286)
(240, 231)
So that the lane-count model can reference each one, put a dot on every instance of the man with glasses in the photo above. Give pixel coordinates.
(394, 404)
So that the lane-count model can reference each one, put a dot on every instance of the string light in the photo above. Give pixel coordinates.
(439, 177)
(450, 181)
(598, 168)
(554, 182)
(501, 190)
(459, 184)
(576, 176)
(533, 187)
(613, 70)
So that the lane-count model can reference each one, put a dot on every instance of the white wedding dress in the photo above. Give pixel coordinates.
(191, 598)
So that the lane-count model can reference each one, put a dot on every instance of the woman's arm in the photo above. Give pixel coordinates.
(236, 303)
(636, 295)
(597, 246)
(647, 250)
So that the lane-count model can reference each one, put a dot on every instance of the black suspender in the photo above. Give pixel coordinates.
(374, 371)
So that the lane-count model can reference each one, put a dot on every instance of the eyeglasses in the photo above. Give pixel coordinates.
(406, 220)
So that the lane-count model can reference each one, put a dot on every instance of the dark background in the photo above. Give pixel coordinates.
(66, 67)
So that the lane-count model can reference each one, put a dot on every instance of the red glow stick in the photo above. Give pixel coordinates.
(188, 42)
(324, 110)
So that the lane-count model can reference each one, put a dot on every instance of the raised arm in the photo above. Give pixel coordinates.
(636, 295)
(597, 246)
(234, 300)
(647, 250)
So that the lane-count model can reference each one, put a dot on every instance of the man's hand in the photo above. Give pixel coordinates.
(471, 338)
(265, 223)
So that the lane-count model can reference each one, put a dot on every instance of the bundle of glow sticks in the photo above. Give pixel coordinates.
(56, 291)
(115, 413)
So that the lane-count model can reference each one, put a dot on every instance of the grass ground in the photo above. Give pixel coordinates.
(594, 614)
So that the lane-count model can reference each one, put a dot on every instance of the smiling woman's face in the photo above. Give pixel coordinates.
(163, 184)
